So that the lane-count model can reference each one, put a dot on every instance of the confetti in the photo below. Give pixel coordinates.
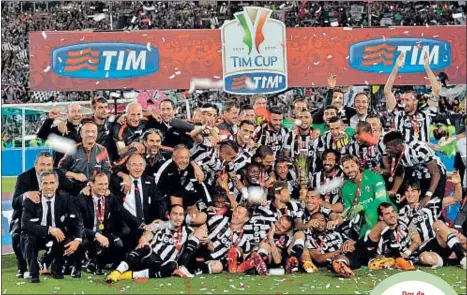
(203, 289)
(435, 36)
(366, 82)
(329, 56)
(62, 144)
(4, 291)
(204, 83)
(384, 38)
(97, 82)
(178, 73)
(406, 32)
(347, 57)
(217, 77)
(427, 26)
(163, 39)
(44, 35)
(59, 59)
(144, 35)
(316, 63)
(171, 77)
(47, 69)
(82, 38)
(148, 46)
(63, 39)
(328, 285)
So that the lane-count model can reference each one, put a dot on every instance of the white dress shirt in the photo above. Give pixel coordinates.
(45, 208)
(130, 202)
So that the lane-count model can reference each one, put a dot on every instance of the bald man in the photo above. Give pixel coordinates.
(69, 129)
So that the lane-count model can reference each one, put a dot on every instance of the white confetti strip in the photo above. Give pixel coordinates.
(178, 73)
(47, 69)
(329, 56)
(250, 84)
(144, 35)
(427, 26)
(63, 39)
(366, 82)
(82, 38)
(347, 57)
(148, 46)
(163, 39)
(435, 36)
(97, 82)
(328, 285)
(172, 76)
(44, 35)
(217, 77)
(406, 32)
(316, 63)
(204, 83)
(106, 75)
(62, 144)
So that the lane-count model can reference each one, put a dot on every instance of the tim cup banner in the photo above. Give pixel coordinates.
(252, 53)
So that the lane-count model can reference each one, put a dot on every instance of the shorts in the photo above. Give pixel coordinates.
(434, 246)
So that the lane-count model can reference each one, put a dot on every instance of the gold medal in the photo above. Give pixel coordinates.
(101, 226)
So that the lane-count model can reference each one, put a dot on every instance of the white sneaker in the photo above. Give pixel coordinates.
(183, 272)
(463, 263)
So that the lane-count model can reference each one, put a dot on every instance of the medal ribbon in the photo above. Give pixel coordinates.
(100, 214)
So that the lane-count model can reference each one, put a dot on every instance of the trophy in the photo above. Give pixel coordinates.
(301, 162)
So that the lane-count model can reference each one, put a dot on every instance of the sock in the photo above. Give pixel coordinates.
(453, 244)
(141, 274)
(187, 252)
(123, 267)
(297, 248)
(162, 271)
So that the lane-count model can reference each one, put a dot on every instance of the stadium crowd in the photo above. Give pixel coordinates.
(318, 178)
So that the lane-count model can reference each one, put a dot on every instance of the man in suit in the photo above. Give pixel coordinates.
(103, 217)
(137, 193)
(27, 187)
(52, 223)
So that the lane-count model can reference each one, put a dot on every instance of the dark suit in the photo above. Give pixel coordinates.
(35, 236)
(47, 129)
(149, 200)
(114, 228)
(26, 182)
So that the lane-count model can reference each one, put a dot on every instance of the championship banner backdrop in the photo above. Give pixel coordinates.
(252, 54)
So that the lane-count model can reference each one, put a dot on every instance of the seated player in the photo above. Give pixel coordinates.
(162, 248)
(440, 245)
(396, 243)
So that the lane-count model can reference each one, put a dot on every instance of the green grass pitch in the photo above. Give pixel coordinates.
(322, 282)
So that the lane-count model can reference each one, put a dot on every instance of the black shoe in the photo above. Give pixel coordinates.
(76, 273)
(90, 267)
(56, 274)
(20, 274)
(34, 280)
(99, 271)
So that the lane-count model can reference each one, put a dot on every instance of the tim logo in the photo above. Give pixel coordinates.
(105, 60)
(254, 53)
(380, 55)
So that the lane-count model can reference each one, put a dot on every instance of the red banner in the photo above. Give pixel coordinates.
(170, 59)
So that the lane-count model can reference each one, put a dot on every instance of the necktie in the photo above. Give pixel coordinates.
(49, 213)
(138, 203)
(99, 205)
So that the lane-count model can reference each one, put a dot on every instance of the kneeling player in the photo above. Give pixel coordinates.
(159, 254)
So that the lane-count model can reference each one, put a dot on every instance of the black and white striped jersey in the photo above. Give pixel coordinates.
(414, 127)
(297, 143)
(395, 241)
(319, 178)
(257, 228)
(370, 156)
(423, 219)
(417, 155)
(325, 242)
(167, 243)
(271, 138)
(223, 237)
(326, 141)
(292, 209)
